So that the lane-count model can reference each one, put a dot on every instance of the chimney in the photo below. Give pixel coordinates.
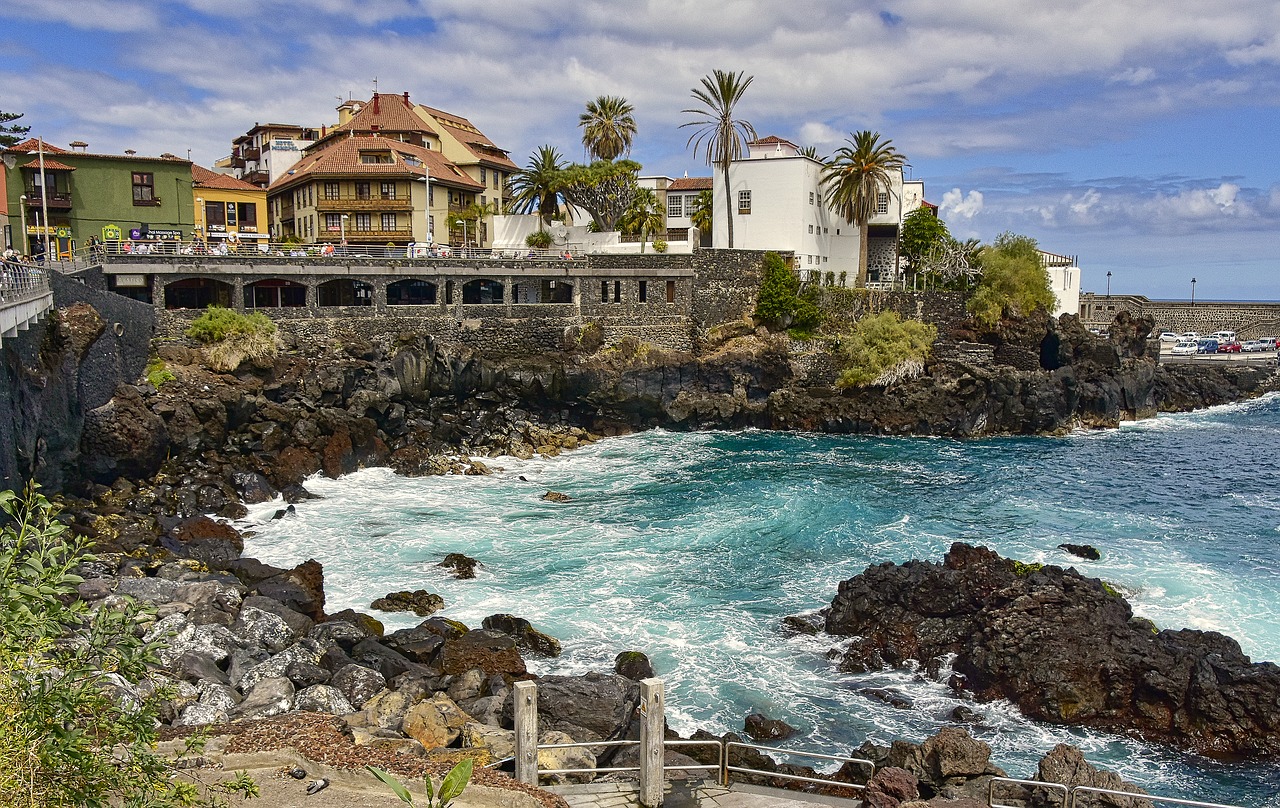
(375, 103)
(406, 100)
(130, 152)
(79, 145)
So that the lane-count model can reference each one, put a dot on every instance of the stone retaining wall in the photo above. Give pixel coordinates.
(1249, 319)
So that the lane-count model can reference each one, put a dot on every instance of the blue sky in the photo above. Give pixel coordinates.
(1140, 135)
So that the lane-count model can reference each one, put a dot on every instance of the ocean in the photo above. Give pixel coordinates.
(692, 547)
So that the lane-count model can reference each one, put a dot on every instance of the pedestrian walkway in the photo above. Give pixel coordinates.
(693, 794)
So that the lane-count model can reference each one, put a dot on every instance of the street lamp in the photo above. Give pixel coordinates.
(1193, 291)
(22, 206)
(342, 231)
(204, 216)
(1108, 283)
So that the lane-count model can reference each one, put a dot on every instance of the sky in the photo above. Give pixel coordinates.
(1140, 135)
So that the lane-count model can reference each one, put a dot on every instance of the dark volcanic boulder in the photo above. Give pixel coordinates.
(633, 665)
(300, 589)
(764, 729)
(1085, 551)
(1063, 647)
(420, 602)
(490, 651)
(525, 635)
(595, 706)
(122, 438)
(464, 567)
(206, 540)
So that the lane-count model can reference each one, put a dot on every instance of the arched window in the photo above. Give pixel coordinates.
(481, 292)
(411, 292)
(274, 293)
(197, 293)
(345, 292)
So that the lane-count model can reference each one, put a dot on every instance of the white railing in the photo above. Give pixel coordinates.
(335, 252)
(19, 282)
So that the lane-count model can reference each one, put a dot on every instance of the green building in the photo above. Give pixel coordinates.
(125, 200)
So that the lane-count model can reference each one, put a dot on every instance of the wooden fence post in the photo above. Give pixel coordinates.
(652, 723)
(525, 700)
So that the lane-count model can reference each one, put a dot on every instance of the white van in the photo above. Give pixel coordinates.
(1224, 336)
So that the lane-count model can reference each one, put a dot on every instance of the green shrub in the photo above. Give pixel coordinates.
(157, 374)
(231, 338)
(1014, 282)
(660, 246)
(539, 240)
(73, 728)
(1024, 570)
(454, 783)
(881, 348)
(776, 301)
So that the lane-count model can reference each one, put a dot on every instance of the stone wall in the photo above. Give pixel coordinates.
(1249, 319)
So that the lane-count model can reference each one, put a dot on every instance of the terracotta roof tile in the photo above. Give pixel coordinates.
(468, 135)
(690, 184)
(204, 178)
(770, 140)
(385, 113)
(50, 164)
(341, 158)
(33, 145)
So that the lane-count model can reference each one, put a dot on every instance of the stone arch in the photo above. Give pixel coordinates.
(274, 293)
(197, 293)
(482, 291)
(412, 292)
(345, 292)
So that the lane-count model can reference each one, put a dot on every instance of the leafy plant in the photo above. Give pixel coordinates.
(882, 348)
(539, 240)
(232, 337)
(1014, 281)
(776, 301)
(660, 246)
(74, 730)
(454, 783)
(719, 136)
(157, 374)
(1023, 570)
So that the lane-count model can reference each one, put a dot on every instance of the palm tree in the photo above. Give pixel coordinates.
(720, 136)
(700, 214)
(853, 179)
(810, 151)
(608, 127)
(533, 189)
(645, 215)
(470, 220)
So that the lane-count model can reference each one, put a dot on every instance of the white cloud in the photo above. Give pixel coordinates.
(1133, 76)
(958, 205)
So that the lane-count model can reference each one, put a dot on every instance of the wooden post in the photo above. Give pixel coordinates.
(525, 701)
(652, 724)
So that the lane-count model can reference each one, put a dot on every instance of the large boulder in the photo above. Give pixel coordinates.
(436, 722)
(1063, 647)
(526, 636)
(490, 651)
(205, 540)
(322, 699)
(572, 758)
(358, 684)
(591, 707)
(122, 438)
(1066, 765)
(420, 602)
(300, 589)
(270, 696)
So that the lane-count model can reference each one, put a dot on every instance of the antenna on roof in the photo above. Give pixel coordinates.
(375, 85)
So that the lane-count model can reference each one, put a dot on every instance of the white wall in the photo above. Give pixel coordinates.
(1065, 283)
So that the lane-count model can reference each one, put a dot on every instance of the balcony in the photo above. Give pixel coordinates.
(353, 203)
(237, 161)
(376, 236)
(56, 201)
(251, 153)
(258, 177)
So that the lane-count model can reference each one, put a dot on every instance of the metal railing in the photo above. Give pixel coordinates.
(20, 282)
(257, 249)
(730, 745)
(1069, 796)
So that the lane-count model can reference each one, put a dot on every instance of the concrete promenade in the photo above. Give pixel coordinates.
(693, 794)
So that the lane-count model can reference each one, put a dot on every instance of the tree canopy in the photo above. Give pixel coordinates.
(853, 179)
(1014, 282)
(605, 189)
(534, 188)
(701, 214)
(644, 216)
(11, 133)
(608, 127)
(922, 233)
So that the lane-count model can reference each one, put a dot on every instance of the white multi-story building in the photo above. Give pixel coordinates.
(1064, 280)
(267, 151)
(778, 204)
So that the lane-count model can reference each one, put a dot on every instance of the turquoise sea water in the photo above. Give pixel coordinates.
(692, 547)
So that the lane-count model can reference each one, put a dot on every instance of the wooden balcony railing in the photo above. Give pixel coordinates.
(354, 203)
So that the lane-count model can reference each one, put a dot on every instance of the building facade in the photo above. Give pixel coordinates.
(1064, 280)
(127, 199)
(228, 210)
(264, 153)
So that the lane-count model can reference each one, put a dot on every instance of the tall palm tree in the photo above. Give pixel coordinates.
(719, 135)
(470, 220)
(853, 179)
(700, 214)
(645, 216)
(810, 151)
(533, 189)
(608, 127)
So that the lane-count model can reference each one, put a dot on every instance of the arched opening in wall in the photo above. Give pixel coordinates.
(411, 292)
(274, 293)
(481, 292)
(345, 292)
(197, 293)
(555, 291)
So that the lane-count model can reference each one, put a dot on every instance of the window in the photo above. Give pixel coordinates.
(389, 221)
(744, 202)
(333, 222)
(364, 222)
(484, 178)
(144, 189)
(811, 230)
(617, 291)
(497, 179)
(811, 197)
(375, 158)
(388, 190)
(248, 214)
(362, 190)
(644, 291)
(675, 206)
(671, 291)
(331, 190)
(808, 259)
(431, 226)
(882, 203)
(412, 161)
(604, 291)
(431, 194)
(215, 216)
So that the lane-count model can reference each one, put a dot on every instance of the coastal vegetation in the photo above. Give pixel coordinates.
(882, 349)
(720, 136)
(1013, 283)
(11, 133)
(604, 189)
(853, 180)
(230, 337)
(77, 728)
(534, 188)
(608, 127)
(157, 373)
(538, 240)
(454, 783)
(644, 216)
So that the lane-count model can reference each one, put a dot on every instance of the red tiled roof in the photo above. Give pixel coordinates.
(50, 164)
(33, 145)
(690, 184)
(341, 158)
(202, 177)
(468, 135)
(770, 140)
(386, 113)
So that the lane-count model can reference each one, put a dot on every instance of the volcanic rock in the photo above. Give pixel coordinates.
(420, 602)
(526, 636)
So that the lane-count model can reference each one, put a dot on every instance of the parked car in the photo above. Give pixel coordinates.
(1207, 346)
(1191, 335)
(1168, 336)
(1268, 343)
(1228, 347)
(1184, 347)
(1224, 336)
(1252, 346)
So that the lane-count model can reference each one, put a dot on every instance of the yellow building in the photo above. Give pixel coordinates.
(228, 210)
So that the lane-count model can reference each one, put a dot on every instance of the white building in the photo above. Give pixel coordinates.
(778, 204)
(1064, 280)
(268, 150)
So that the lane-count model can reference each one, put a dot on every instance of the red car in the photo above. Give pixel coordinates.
(1229, 347)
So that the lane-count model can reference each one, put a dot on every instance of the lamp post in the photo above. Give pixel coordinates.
(204, 216)
(22, 207)
(1108, 284)
(1193, 291)
(342, 231)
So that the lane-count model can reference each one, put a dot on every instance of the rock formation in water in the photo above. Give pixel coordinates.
(1065, 648)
